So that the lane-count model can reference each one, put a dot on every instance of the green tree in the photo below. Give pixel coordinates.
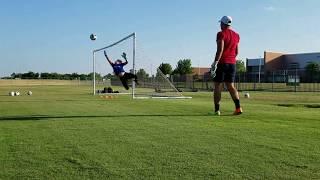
(75, 76)
(142, 74)
(109, 76)
(83, 77)
(240, 66)
(312, 70)
(312, 67)
(13, 75)
(183, 67)
(65, 76)
(98, 76)
(166, 68)
(30, 75)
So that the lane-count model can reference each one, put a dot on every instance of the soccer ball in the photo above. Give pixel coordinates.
(93, 37)
(11, 93)
(246, 95)
(17, 93)
(29, 93)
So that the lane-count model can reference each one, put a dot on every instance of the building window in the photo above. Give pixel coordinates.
(255, 68)
(293, 66)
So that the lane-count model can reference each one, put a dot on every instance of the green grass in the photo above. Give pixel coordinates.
(62, 132)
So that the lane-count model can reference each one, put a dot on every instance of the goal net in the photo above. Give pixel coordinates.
(151, 85)
(158, 86)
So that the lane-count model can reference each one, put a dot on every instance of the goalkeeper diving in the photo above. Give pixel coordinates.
(119, 71)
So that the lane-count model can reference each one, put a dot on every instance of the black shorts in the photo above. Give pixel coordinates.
(225, 73)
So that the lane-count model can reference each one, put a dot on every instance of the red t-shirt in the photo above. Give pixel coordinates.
(231, 40)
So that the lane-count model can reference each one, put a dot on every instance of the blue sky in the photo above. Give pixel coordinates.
(52, 36)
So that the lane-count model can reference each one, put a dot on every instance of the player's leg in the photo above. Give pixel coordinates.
(218, 85)
(217, 96)
(124, 82)
(229, 81)
(131, 76)
(234, 93)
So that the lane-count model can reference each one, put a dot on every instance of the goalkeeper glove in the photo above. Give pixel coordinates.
(124, 55)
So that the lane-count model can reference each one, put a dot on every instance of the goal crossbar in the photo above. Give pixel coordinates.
(111, 45)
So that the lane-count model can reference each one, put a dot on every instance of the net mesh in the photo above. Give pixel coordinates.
(158, 86)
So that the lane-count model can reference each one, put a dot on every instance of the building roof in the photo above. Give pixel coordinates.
(200, 70)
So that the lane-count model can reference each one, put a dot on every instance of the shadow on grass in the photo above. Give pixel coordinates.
(300, 105)
(46, 117)
(46, 100)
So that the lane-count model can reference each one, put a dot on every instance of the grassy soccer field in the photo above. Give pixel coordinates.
(62, 132)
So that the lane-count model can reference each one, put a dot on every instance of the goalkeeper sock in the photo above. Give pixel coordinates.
(237, 103)
(216, 107)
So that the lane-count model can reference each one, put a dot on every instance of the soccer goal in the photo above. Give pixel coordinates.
(154, 86)
(103, 77)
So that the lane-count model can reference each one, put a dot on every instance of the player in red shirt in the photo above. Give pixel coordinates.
(224, 66)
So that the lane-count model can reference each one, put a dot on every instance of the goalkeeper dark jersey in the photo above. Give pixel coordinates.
(118, 68)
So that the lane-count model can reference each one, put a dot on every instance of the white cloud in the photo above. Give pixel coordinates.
(269, 8)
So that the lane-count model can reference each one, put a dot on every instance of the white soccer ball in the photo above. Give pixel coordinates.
(246, 95)
(29, 93)
(17, 93)
(11, 93)
(93, 37)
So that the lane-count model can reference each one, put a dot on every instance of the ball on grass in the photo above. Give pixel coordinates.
(246, 95)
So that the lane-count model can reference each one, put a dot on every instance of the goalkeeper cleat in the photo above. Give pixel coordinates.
(238, 111)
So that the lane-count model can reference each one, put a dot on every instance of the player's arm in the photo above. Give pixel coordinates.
(124, 55)
(237, 50)
(105, 54)
(220, 46)
(237, 47)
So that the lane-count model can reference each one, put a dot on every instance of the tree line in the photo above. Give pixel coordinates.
(183, 67)
(46, 75)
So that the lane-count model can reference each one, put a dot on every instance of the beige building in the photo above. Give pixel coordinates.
(200, 71)
(273, 61)
(279, 63)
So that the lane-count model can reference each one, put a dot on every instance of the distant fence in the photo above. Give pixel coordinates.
(243, 86)
(297, 80)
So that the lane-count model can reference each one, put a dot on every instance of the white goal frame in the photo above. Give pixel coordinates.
(133, 35)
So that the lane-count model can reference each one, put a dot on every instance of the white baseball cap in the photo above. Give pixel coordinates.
(227, 20)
